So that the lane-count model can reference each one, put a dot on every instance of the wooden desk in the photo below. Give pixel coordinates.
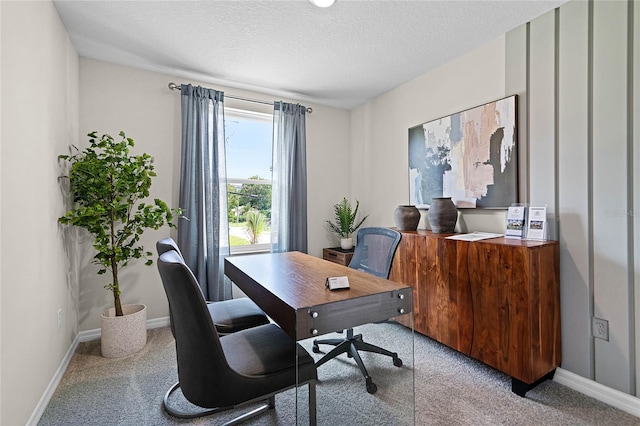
(290, 288)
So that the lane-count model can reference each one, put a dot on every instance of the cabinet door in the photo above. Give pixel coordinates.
(516, 309)
(490, 279)
(449, 310)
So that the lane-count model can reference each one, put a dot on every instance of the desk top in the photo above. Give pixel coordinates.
(285, 284)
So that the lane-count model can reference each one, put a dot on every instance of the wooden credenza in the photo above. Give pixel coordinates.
(496, 300)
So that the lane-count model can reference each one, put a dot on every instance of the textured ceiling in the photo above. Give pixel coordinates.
(340, 56)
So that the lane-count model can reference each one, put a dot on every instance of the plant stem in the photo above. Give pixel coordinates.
(114, 262)
(116, 288)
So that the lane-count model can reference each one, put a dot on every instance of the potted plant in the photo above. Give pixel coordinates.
(345, 222)
(108, 184)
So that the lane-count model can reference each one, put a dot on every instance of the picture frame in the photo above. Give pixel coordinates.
(470, 156)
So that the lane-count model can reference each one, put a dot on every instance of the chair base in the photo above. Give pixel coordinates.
(351, 345)
(269, 404)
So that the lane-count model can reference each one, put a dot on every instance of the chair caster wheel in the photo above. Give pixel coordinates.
(371, 387)
(315, 349)
(397, 362)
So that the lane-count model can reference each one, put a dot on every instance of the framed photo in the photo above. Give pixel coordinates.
(470, 156)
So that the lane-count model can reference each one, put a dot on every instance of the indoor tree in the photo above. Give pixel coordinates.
(108, 185)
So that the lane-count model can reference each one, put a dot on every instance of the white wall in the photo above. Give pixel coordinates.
(39, 90)
(114, 98)
(379, 132)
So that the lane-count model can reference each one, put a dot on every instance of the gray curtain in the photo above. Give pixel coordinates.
(203, 237)
(289, 180)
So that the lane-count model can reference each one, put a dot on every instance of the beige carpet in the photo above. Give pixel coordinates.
(450, 389)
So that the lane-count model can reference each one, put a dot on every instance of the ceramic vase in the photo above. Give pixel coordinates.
(442, 215)
(346, 243)
(406, 218)
(125, 335)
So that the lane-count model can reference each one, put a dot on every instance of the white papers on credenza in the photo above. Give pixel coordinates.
(515, 222)
(474, 236)
(537, 223)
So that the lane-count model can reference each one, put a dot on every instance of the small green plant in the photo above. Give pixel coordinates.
(345, 219)
(107, 184)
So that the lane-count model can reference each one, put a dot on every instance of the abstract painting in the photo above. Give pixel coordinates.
(470, 156)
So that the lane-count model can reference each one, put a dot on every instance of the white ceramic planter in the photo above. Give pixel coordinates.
(125, 335)
(346, 243)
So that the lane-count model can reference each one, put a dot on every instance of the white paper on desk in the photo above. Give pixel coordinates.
(474, 236)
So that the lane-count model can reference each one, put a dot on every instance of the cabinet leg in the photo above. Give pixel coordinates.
(520, 388)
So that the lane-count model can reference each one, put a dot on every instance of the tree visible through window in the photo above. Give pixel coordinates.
(248, 155)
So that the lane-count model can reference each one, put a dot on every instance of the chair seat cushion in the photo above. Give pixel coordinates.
(266, 350)
(234, 315)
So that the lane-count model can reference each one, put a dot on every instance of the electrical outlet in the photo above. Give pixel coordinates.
(600, 328)
(59, 319)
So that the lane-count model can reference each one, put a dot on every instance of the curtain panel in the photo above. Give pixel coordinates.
(203, 237)
(289, 180)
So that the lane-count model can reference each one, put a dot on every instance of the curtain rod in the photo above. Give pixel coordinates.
(173, 86)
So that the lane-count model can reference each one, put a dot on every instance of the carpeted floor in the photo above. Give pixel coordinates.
(450, 389)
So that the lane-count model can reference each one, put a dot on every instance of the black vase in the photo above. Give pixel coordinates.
(406, 218)
(442, 215)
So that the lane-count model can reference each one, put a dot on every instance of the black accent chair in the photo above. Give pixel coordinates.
(373, 254)
(218, 373)
(229, 316)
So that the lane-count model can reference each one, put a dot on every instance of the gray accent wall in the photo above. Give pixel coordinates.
(576, 71)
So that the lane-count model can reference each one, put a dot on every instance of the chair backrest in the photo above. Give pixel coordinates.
(166, 244)
(374, 250)
(204, 374)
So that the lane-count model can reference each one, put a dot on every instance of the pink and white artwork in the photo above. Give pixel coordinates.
(470, 156)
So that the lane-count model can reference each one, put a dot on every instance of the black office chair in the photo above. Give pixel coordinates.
(219, 373)
(373, 254)
(229, 316)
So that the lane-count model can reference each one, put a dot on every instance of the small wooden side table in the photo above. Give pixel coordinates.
(337, 255)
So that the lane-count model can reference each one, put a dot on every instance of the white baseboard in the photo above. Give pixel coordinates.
(613, 397)
(83, 336)
(53, 384)
(157, 323)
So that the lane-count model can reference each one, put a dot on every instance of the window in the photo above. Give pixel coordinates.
(248, 155)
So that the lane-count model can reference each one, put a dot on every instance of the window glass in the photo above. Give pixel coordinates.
(248, 156)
